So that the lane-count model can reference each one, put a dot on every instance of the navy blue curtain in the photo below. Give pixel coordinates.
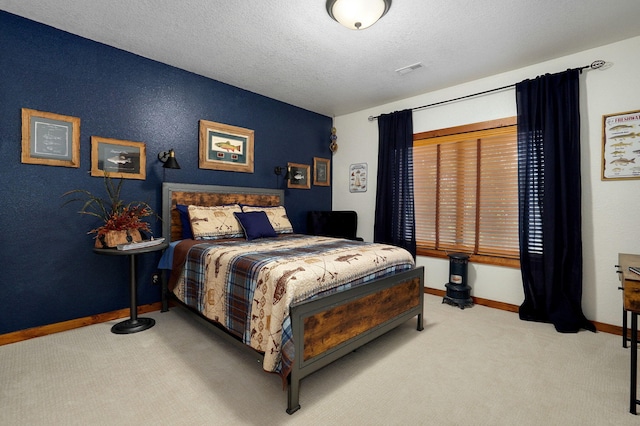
(549, 185)
(395, 214)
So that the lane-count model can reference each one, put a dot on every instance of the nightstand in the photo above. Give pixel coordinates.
(133, 324)
(631, 304)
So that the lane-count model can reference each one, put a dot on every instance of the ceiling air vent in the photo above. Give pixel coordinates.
(409, 68)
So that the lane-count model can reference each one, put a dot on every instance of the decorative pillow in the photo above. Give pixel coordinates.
(213, 223)
(277, 216)
(187, 233)
(256, 225)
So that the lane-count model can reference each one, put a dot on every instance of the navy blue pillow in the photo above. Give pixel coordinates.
(187, 233)
(255, 225)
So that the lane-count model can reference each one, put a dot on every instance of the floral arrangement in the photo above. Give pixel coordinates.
(113, 211)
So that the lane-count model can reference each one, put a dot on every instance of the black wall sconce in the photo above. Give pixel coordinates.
(278, 171)
(168, 158)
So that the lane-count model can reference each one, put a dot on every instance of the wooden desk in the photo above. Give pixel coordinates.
(631, 302)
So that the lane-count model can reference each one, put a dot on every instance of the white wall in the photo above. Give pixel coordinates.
(610, 209)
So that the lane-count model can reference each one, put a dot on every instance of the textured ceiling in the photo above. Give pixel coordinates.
(294, 52)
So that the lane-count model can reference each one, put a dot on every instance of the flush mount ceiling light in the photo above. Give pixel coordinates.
(357, 14)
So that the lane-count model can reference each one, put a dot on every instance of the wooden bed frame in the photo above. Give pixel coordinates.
(326, 328)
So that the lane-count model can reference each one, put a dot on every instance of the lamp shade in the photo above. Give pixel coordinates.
(171, 163)
(168, 158)
(357, 14)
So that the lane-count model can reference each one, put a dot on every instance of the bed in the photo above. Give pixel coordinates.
(303, 330)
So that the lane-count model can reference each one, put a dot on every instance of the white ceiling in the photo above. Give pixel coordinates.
(294, 52)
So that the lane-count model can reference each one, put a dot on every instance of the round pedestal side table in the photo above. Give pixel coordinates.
(134, 324)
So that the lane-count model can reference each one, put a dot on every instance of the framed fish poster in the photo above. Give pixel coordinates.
(621, 145)
(358, 177)
(118, 158)
(225, 147)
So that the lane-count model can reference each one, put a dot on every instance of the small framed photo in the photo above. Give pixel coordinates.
(621, 145)
(299, 176)
(225, 147)
(50, 139)
(321, 171)
(118, 158)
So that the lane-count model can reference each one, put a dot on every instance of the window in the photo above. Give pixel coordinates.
(466, 192)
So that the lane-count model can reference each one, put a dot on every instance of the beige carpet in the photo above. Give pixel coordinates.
(477, 366)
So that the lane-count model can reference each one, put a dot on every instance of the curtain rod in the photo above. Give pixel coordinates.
(594, 66)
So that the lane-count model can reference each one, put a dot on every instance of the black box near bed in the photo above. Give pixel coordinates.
(302, 301)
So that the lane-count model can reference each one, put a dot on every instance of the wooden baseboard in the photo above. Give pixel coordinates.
(30, 333)
(605, 328)
(477, 300)
(18, 336)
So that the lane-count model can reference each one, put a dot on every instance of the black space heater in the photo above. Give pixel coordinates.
(458, 291)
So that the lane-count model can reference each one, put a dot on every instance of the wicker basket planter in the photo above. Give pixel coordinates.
(113, 238)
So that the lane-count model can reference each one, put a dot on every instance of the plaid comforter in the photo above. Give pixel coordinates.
(248, 286)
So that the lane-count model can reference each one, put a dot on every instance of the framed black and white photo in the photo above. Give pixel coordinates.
(118, 158)
(50, 139)
(321, 171)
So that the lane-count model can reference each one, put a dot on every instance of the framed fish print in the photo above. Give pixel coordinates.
(225, 147)
(300, 176)
(50, 139)
(621, 145)
(119, 158)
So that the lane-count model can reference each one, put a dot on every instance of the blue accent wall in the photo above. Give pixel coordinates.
(49, 272)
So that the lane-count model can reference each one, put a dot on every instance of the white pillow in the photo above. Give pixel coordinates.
(277, 216)
(213, 223)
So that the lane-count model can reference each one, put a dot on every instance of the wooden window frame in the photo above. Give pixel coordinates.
(458, 130)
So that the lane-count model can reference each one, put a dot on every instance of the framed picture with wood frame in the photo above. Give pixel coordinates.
(118, 158)
(50, 139)
(621, 145)
(321, 171)
(225, 147)
(300, 176)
